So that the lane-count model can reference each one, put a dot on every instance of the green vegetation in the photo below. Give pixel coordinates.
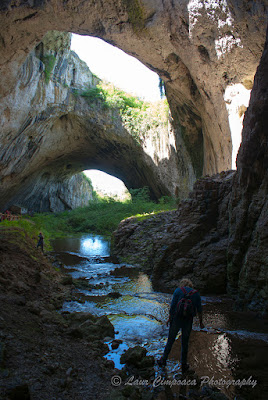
(49, 62)
(93, 94)
(139, 117)
(30, 228)
(136, 15)
(102, 216)
(87, 179)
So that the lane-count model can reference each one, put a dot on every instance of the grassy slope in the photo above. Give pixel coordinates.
(100, 217)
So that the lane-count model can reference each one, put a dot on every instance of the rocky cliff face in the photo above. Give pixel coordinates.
(199, 49)
(48, 194)
(248, 239)
(218, 237)
(28, 113)
(191, 241)
(50, 132)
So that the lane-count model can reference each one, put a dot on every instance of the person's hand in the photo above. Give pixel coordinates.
(202, 326)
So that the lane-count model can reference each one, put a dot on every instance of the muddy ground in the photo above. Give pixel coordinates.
(44, 355)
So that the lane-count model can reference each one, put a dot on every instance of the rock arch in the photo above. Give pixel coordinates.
(57, 132)
(197, 48)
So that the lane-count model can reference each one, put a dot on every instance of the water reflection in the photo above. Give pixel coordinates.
(136, 328)
(139, 314)
(94, 246)
(222, 351)
(86, 245)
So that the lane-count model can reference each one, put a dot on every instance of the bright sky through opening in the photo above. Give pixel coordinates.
(113, 65)
(106, 184)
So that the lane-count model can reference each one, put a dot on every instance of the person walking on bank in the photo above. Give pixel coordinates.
(40, 242)
(186, 302)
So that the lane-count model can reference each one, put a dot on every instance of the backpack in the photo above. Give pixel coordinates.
(185, 307)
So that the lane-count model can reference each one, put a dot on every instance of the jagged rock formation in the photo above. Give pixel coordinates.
(219, 236)
(248, 238)
(189, 242)
(199, 49)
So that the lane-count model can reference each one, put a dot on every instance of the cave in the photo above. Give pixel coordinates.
(196, 57)
(199, 52)
(207, 53)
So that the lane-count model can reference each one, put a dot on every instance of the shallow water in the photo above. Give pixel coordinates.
(225, 349)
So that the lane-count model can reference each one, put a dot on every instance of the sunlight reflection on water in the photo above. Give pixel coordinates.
(139, 314)
(94, 246)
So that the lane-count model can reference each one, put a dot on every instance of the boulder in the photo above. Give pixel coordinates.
(137, 357)
(89, 327)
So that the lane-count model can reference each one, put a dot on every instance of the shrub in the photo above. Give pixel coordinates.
(49, 62)
(94, 93)
(138, 116)
(140, 194)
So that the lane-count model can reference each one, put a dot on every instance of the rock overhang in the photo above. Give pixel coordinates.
(196, 50)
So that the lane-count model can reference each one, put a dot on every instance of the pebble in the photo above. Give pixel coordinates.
(69, 371)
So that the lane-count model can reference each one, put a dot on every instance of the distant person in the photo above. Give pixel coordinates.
(186, 302)
(40, 242)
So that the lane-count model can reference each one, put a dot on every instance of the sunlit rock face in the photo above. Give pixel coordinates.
(28, 114)
(198, 49)
(217, 237)
(50, 132)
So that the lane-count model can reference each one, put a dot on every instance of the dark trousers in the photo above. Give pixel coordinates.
(40, 244)
(186, 326)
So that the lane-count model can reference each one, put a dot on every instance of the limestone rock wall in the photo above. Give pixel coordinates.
(200, 49)
(191, 241)
(50, 132)
(248, 240)
(48, 194)
(218, 237)
(28, 113)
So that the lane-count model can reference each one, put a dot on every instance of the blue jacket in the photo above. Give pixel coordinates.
(178, 295)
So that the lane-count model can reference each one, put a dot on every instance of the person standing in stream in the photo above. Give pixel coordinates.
(185, 304)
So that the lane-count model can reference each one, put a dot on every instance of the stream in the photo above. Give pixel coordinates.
(232, 347)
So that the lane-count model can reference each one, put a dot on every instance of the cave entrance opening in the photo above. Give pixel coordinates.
(107, 186)
(115, 66)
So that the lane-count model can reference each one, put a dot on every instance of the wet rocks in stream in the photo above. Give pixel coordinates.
(90, 327)
(114, 295)
(137, 362)
(116, 343)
